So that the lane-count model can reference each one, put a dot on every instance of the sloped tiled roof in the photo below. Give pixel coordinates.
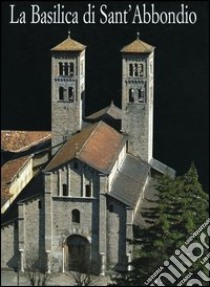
(17, 141)
(69, 45)
(97, 145)
(137, 46)
(148, 204)
(162, 168)
(129, 181)
(8, 172)
(111, 111)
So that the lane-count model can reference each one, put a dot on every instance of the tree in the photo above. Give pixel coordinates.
(181, 208)
(36, 273)
(81, 272)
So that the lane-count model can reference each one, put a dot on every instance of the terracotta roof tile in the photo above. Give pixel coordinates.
(16, 141)
(137, 46)
(97, 145)
(5, 195)
(111, 110)
(69, 45)
(8, 172)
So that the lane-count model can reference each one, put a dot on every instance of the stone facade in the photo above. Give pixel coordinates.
(82, 214)
(9, 245)
(66, 191)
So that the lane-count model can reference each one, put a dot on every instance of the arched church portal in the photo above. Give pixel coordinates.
(77, 253)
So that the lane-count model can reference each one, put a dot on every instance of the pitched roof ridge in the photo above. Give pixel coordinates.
(143, 43)
(115, 107)
(77, 46)
(86, 141)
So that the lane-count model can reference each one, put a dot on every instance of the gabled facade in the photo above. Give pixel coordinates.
(91, 193)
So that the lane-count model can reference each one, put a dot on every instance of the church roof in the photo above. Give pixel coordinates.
(162, 168)
(129, 181)
(137, 46)
(69, 45)
(97, 145)
(8, 172)
(17, 141)
(111, 111)
(111, 115)
(149, 202)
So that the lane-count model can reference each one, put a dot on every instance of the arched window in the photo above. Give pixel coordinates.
(66, 69)
(71, 69)
(141, 69)
(141, 95)
(75, 215)
(131, 70)
(131, 95)
(61, 93)
(70, 94)
(136, 70)
(61, 69)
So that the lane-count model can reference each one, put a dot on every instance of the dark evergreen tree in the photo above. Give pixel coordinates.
(181, 208)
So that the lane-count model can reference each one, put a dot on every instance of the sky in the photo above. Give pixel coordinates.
(181, 98)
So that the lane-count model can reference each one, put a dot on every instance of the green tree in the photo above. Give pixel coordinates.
(181, 208)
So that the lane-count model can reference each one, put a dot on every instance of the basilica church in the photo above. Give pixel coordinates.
(70, 197)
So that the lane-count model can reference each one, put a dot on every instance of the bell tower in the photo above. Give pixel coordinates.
(137, 97)
(67, 90)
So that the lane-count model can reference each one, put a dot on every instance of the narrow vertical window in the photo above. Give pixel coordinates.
(141, 95)
(131, 95)
(88, 190)
(131, 70)
(61, 93)
(75, 216)
(136, 70)
(65, 190)
(66, 69)
(70, 94)
(141, 70)
(71, 69)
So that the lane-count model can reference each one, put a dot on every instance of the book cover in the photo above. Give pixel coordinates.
(179, 32)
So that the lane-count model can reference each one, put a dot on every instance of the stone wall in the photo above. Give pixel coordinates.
(9, 245)
(137, 119)
(59, 207)
(116, 237)
(67, 114)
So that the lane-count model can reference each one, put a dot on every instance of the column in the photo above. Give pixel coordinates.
(21, 260)
(48, 261)
(21, 226)
(103, 264)
(83, 184)
(63, 258)
(129, 261)
(102, 222)
(48, 208)
(59, 183)
(69, 180)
